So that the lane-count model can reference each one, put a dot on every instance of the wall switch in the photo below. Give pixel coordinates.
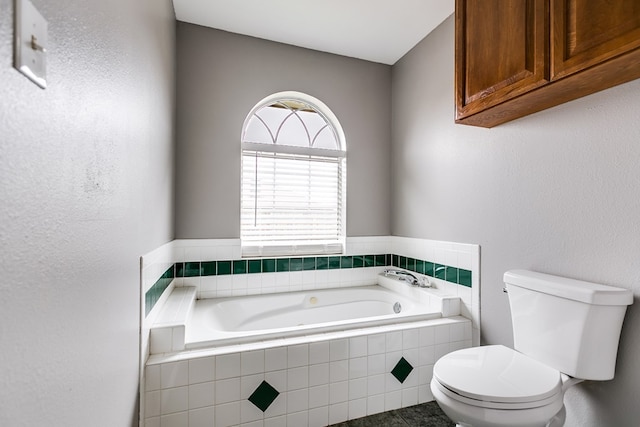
(31, 43)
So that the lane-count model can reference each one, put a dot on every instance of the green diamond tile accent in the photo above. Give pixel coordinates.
(309, 263)
(295, 264)
(464, 277)
(224, 267)
(255, 266)
(402, 370)
(263, 396)
(268, 265)
(209, 268)
(322, 263)
(282, 264)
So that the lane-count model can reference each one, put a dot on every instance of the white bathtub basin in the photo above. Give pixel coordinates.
(216, 322)
(224, 321)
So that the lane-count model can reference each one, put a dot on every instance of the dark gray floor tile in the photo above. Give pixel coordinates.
(384, 419)
(424, 415)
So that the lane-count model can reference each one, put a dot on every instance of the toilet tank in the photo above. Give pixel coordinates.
(570, 325)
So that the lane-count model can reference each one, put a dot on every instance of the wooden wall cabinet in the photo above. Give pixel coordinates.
(518, 57)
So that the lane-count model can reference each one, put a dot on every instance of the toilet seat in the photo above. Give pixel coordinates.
(497, 377)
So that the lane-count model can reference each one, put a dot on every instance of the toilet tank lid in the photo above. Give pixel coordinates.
(578, 290)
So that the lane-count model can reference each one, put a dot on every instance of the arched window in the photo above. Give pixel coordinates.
(293, 178)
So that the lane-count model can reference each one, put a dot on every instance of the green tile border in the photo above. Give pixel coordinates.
(322, 263)
(268, 265)
(369, 260)
(346, 261)
(334, 262)
(295, 264)
(309, 263)
(464, 277)
(223, 268)
(154, 293)
(240, 266)
(209, 268)
(192, 269)
(254, 266)
(450, 274)
(283, 264)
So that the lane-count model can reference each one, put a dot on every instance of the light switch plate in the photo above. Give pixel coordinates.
(31, 43)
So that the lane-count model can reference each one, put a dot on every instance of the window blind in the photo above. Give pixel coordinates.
(291, 201)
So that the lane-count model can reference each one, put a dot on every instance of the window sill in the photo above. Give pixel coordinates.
(275, 249)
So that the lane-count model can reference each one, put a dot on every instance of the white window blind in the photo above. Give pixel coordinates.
(293, 202)
(293, 179)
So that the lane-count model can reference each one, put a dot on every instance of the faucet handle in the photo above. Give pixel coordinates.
(425, 282)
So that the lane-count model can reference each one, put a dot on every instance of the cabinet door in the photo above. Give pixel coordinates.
(589, 32)
(501, 51)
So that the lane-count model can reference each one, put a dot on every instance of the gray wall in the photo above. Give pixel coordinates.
(558, 192)
(222, 76)
(86, 172)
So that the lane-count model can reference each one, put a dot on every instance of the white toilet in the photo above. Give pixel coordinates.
(564, 331)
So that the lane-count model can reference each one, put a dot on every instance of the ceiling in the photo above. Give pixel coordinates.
(375, 30)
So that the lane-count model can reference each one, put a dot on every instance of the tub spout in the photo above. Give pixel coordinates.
(408, 277)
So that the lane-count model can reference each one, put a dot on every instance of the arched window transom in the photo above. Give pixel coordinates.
(293, 178)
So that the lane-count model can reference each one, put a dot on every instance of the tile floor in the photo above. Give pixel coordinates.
(425, 415)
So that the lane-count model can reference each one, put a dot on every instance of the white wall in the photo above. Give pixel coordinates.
(86, 181)
(222, 76)
(556, 192)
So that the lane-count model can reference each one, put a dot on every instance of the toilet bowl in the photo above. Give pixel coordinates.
(564, 330)
(496, 386)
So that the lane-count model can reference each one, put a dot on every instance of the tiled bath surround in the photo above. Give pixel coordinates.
(449, 254)
(294, 382)
(456, 259)
(202, 262)
(186, 271)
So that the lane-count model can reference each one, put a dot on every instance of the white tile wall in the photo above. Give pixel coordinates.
(152, 267)
(343, 376)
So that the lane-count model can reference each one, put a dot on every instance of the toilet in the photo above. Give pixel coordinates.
(564, 332)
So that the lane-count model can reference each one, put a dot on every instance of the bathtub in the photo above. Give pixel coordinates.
(244, 319)
(187, 323)
(327, 355)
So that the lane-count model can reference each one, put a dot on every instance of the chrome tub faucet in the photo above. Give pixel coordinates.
(408, 277)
